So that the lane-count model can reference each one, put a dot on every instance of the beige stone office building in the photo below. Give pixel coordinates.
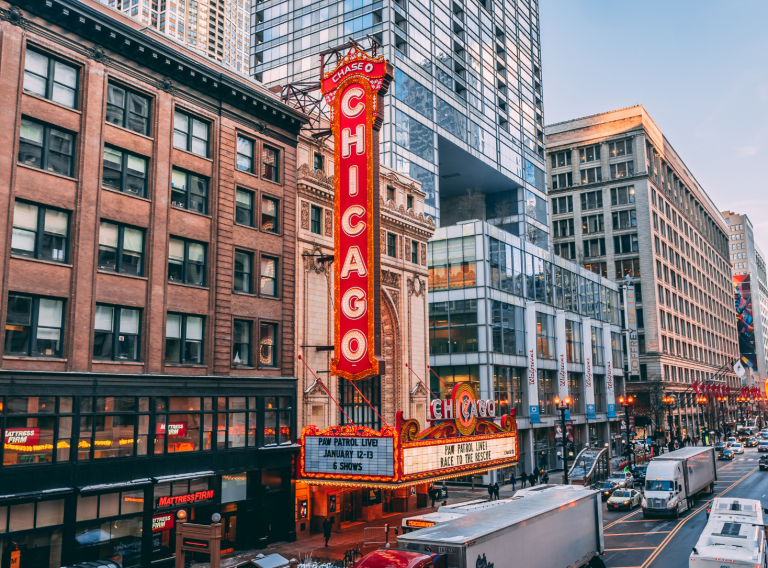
(625, 204)
(405, 231)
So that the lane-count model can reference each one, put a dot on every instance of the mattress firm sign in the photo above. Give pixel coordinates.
(349, 455)
(426, 458)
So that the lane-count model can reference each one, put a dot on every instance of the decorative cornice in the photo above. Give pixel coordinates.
(390, 206)
(14, 16)
(304, 172)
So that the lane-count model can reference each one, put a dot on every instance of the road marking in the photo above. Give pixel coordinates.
(636, 548)
(627, 534)
(620, 520)
(693, 513)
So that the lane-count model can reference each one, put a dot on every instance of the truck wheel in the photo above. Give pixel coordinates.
(677, 512)
(596, 562)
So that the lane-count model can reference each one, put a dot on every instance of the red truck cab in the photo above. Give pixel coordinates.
(396, 558)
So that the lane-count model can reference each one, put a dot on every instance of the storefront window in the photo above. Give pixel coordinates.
(235, 425)
(118, 540)
(29, 430)
(545, 335)
(182, 424)
(507, 383)
(234, 487)
(574, 390)
(112, 427)
(546, 392)
(40, 547)
(277, 420)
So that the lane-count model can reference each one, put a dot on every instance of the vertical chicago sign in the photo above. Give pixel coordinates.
(354, 91)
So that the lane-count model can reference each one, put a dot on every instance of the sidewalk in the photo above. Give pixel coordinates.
(350, 536)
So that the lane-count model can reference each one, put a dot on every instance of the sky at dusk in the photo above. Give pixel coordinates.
(700, 68)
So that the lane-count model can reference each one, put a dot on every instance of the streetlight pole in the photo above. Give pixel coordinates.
(669, 402)
(723, 428)
(562, 406)
(626, 402)
(701, 401)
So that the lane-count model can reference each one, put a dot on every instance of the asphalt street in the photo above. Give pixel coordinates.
(634, 542)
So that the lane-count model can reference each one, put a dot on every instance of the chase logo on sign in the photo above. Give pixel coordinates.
(534, 412)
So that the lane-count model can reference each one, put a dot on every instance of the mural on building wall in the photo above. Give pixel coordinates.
(744, 321)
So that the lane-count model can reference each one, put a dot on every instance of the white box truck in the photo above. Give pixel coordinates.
(494, 537)
(449, 512)
(673, 480)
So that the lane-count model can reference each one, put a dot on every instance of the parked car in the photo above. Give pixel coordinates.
(751, 442)
(624, 499)
(622, 478)
(606, 489)
(763, 462)
(726, 454)
(738, 448)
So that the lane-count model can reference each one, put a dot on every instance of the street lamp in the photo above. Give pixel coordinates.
(701, 401)
(724, 427)
(562, 406)
(626, 402)
(669, 402)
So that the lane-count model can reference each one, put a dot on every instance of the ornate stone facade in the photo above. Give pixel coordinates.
(404, 337)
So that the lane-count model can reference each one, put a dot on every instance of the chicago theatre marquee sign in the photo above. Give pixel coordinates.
(354, 91)
(463, 439)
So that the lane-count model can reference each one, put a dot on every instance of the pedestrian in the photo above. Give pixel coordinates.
(523, 479)
(513, 481)
(545, 478)
(327, 526)
(434, 494)
(490, 492)
(536, 474)
(532, 479)
(496, 490)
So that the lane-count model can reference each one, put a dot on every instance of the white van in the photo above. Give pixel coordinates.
(733, 534)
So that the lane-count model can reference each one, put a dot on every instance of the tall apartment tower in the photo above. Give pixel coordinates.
(625, 204)
(218, 29)
(465, 115)
(748, 264)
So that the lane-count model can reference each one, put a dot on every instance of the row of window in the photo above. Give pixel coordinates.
(43, 233)
(35, 328)
(57, 80)
(591, 153)
(44, 429)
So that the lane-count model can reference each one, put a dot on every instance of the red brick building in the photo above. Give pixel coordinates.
(148, 288)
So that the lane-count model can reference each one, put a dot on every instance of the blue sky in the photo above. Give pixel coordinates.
(700, 68)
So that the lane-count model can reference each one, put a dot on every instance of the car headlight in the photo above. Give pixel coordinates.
(626, 502)
(644, 503)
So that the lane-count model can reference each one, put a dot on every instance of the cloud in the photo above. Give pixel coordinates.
(746, 151)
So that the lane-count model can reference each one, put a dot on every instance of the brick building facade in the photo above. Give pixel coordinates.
(148, 289)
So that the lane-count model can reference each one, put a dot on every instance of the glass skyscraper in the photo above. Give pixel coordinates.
(464, 116)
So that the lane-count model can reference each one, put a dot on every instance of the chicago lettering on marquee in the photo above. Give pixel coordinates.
(354, 91)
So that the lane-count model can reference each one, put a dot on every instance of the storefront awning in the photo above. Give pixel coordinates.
(166, 478)
(47, 492)
(102, 486)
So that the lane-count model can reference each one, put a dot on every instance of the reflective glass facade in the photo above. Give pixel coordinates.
(465, 110)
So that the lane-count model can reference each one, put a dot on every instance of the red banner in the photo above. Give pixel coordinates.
(22, 436)
(354, 92)
(162, 522)
(175, 429)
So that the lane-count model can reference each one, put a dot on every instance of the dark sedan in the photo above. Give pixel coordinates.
(606, 489)
(751, 442)
(726, 455)
(720, 446)
(638, 473)
(763, 463)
